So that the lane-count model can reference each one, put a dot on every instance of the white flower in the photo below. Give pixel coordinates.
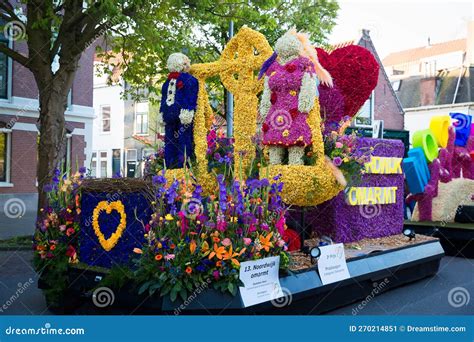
(171, 92)
(186, 116)
(178, 62)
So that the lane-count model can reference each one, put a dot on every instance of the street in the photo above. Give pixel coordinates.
(429, 296)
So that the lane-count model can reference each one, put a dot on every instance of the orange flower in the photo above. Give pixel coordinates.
(192, 246)
(52, 247)
(219, 263)
(189, 270)
(231, 256)
(158, 257)
(265, 241)
(205, 246)
(172, 246)
(218, 252)
(216, 239)
(137, 250)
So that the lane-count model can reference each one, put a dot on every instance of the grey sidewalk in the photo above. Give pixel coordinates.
(17, 215)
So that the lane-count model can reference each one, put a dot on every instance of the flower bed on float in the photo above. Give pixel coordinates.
(188, 239)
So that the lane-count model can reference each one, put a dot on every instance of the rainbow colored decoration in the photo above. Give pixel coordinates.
(430, 143)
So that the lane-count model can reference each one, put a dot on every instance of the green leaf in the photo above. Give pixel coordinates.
(173, 295)
(144, 287)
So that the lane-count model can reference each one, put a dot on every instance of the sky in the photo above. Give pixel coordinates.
(402, 24)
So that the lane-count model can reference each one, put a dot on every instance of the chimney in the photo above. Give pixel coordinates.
(470, 44)
(427, 91)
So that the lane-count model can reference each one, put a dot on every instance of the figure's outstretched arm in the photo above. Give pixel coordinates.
(265, 103)
(307, 92)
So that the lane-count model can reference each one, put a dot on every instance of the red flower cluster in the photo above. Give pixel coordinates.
(355, 72)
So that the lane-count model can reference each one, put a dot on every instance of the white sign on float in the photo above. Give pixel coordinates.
(261, 281)
(332, 264)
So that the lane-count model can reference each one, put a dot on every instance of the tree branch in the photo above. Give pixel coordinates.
(23, 60)
(7, 7)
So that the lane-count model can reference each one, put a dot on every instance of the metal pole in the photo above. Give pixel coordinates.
(229, 115)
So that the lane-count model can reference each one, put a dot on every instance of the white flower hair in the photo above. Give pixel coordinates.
(288, 45)
(178, 62)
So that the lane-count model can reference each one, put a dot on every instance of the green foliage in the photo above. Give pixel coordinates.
(200, 29)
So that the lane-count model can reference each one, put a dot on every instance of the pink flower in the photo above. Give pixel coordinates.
(281, 243)
(339, 144)
(184, 222)
(216, 275)
(62, 227)
(247, 241)
(252, 228)
(169, 256)
(226, 242)
(280, 225)
(221, 223)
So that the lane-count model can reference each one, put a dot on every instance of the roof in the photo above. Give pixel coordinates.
(416, 54)
(442, 89)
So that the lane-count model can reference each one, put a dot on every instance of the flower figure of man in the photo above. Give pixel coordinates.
(178, 106)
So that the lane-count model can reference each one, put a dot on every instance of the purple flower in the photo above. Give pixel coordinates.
(337, 161)
(82, 170)
(48, 188)
(158, 180)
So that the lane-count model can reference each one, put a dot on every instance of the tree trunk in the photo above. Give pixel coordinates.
(53, 103)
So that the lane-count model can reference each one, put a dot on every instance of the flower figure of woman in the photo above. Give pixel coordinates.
(290, 89)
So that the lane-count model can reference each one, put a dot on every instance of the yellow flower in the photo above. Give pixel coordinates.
(285, 133)
(273, 73)
(109, 243)
(169, 217)
(293, 92)
(280, 119)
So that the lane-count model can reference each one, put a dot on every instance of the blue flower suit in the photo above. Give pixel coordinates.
(178, 105)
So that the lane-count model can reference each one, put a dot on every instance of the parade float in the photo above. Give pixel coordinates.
(277, 219)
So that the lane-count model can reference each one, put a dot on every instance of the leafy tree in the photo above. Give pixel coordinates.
(145, 32)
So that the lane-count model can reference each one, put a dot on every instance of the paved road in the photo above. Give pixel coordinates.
(425, 297)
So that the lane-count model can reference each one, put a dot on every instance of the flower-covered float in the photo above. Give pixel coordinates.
(440, 177)
(183, 238)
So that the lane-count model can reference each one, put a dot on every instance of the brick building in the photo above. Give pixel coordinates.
(435, 79)
(19, 135)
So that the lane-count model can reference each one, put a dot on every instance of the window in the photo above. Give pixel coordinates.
(105, 115)
(94, 164)
(67, 154)
(4, 66)
(141, 118)
(396, 85)
(103, 164)
(5, 151)
(365, 117)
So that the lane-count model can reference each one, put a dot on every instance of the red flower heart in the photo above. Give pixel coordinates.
(265, 127)
(273, 98)
(180, 84)
(355, 72)
(294, 113)
(290, 67)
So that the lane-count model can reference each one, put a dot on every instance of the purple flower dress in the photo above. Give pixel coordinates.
(284, 124)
